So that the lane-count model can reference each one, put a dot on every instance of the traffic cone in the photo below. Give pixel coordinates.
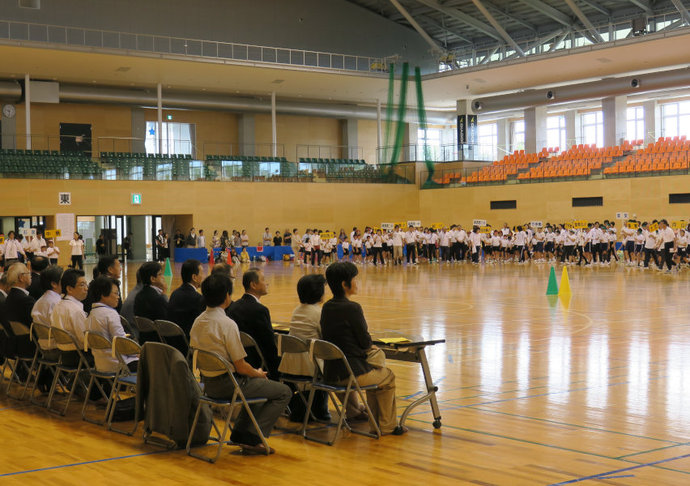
(229, 260)
(168, 268)
(565, 282)
(552, 288)
(211, 259)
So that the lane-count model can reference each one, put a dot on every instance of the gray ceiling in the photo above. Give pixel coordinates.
(453, 24)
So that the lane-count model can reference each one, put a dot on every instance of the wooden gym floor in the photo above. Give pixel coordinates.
(590, 389)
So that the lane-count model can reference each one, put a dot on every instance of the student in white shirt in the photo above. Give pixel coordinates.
(475, 244)
(377, 247)
(307, 247)
(411, 245)
(345, 245)
(13, 248)
(520, 244)
(356, 248)
(650, 244)
(69, 315)
(444, 245)
(681, 246)
(667, 238)
(77, 245)
(52, 252)
(315, 247)
(43, 308)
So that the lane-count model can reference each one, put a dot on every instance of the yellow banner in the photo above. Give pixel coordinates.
(632, 225)
(568, 226)
(2, 240)
(485, 229)
(653, 227)
(53, 233)
(402, 226)
(580, 224)
(676, 225)
(437, 226)
(376, 229)
(327, 235)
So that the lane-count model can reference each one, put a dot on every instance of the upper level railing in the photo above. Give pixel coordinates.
(180, 46)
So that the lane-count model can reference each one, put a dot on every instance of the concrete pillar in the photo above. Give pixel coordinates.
(503, 127)
(138, 230)
(27, 106)
(652, 127)
(159, 112)
(535, 129)
(138, 144)
(9, 131)
(615, 117)
(570, 129)
(246, 135)
(350, 139)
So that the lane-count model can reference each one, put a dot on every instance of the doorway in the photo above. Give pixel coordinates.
(75, 137)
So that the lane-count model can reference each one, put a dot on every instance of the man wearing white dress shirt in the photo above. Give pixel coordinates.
(43, 308)
(668, 241)
(69, 315)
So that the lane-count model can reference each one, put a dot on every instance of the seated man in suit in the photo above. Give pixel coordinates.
(213, 331)
(151, 301)
(254, 318)
(19, 303)
(38, 264)
(186, 303)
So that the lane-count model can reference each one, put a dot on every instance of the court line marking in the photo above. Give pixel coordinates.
(625, 469)
(587, 428)
(653, 450)
(81, 463)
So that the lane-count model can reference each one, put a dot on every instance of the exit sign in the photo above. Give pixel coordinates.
(136, 198)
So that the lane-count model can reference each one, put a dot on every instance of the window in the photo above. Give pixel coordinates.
(164, 172)
(110, 174)
(136, 173)
(580, 202)
(488, 141)
(593, 128)
(196, 170)
(428, 144)
(231, 168)
(517, 135)
(675, 119)
(177, 138)
(511, 204)
(635, 119)
(555, 132)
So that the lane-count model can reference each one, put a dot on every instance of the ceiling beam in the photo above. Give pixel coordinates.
(417, 27)
(464, 18)
(585, 21)
(432, 23)
(597, 7)
(644, 5)
(510, 16)
(682, 10)
(480, 6)
(549, 11)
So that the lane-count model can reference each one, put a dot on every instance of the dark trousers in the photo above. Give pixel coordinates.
(411, 249)
(378, 254)
(666, 252)
(78, 262)
(649, 253)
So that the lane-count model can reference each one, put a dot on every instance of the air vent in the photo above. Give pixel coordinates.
(679, 198)
(34, 4)
(580, 202)
(504, 204)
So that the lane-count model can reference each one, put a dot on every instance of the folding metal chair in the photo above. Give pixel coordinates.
(128, 327)
(48, 357)
(293, 344)
(248, 342)
(124, 379)
(323, 350)
(93, 340)
(172, 335)
(65, 338)
(146, 327)
(21, 361)
(206, 361)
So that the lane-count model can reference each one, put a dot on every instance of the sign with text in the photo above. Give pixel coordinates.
(327, 235)
(653, 227)
(568, 226)
(136, 198)
(467, 129)
(64, 198)
(53, 233)
(414, 224)
(632, 225)
(402, 225)
(676, 225)
(437, 226)
(65, 222)
(621, 215)
(387, 226)
(479, 222)
(580, 224)
(536, 224)
(485, 229)
(25, 232)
